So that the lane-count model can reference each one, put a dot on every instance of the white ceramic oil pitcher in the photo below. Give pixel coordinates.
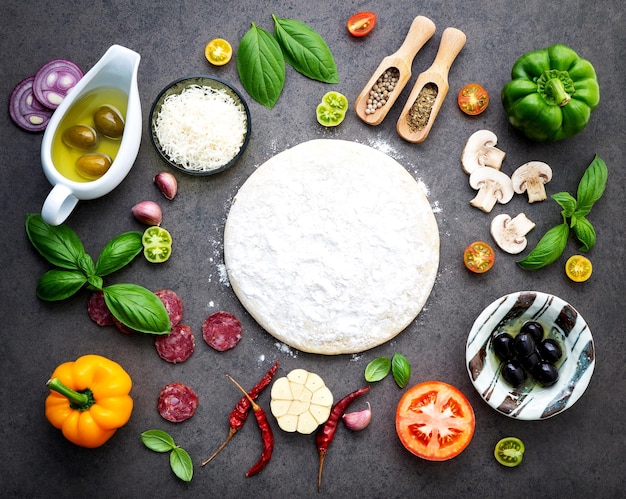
(117, 68)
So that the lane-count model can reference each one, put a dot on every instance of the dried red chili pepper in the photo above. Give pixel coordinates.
(240, 412)
(326, 433)
(266, 434)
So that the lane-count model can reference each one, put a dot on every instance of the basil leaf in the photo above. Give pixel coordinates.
(377, 369)
(85, 264)
(591, 186)
(401, 369)
(158, 440)
(95, 282)
(181, 464)
(549, 248)
(138, 308)
(118, 253)
(305, 50)
(261, 66)
(56, 243)
(585, 233)
(565, 201)
(57, 284)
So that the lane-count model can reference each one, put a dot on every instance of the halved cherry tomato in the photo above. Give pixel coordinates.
(509, 451)
(361, 23)
(218, 52)
(435, 421)
(578, 268)
(473, 99)
(479, 257)
(157, 244)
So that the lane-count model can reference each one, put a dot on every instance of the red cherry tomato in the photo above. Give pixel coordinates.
(361, 23)
(479, 257)
(473, 99)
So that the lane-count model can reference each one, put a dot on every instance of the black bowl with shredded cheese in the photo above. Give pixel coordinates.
(200, 125)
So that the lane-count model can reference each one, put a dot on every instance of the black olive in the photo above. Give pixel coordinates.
(530, 362)
(513, 373)
(534, 328)
(550, 350)
(503, 346)
(546, 373)
(524, 344)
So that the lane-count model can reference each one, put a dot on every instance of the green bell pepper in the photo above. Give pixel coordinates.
(552, 93)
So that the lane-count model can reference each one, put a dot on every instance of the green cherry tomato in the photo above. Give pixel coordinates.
(157, 244)
(335, 100)
(332, 110)
(509, 451)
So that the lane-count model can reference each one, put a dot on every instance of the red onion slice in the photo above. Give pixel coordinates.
(54, 79)
(25, 110)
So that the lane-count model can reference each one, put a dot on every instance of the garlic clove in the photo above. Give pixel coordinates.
(148, 212)
(167, 184)
(356, 421)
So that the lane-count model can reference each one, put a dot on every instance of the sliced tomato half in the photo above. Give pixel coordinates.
(435, 421)
(361, 23)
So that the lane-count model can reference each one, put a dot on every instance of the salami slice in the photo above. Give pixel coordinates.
(221, 331)
(123, 328)
(176, 346)
(173, 305)
(98, 310)
(177, 402)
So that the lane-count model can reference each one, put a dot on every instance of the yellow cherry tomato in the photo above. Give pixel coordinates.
(218, 52)
(578, 268)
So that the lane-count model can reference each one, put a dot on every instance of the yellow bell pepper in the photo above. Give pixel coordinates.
(89, 400)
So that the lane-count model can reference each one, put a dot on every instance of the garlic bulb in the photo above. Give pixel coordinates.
(358, 420)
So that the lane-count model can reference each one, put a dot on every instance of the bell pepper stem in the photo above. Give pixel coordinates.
(555, 88)
(80, 401)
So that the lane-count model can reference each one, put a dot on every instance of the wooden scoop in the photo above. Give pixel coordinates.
(452, 41)
(420, 32)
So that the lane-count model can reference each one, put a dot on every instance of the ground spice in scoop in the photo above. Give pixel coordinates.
(419, 113)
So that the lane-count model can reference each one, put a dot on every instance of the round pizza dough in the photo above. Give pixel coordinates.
(332, 247)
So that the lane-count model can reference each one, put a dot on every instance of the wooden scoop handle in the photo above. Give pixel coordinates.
(452, 41)
(420, 32)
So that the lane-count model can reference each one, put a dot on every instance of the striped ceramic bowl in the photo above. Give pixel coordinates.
(563, 323)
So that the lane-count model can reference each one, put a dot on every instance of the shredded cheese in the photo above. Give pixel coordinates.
(202, 128)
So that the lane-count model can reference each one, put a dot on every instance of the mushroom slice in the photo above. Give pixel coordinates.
(510, 233)
(493, 187)
(480, 150)
(532, 177)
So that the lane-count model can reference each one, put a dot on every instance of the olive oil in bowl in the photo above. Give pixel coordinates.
(82, 112)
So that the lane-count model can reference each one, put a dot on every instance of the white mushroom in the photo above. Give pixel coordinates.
(510, 233)
(531, 177)
(493, 187)
(480, 150)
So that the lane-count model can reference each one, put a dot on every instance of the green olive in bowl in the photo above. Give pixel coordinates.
(109, 122)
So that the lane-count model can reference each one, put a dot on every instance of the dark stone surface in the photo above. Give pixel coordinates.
(579, 452)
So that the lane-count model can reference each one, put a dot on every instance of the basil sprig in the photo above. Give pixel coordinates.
(380, 367)
(574, 212)
(133, 305)
(180, 461)
(261, 58)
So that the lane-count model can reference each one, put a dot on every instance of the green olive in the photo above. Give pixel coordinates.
(93, 165)
(81, 137)
(109, 122)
